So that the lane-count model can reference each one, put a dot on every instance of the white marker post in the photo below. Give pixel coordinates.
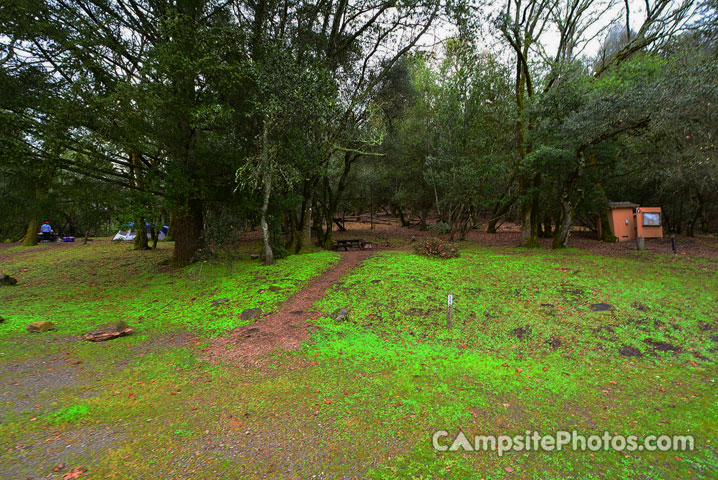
(449, 312)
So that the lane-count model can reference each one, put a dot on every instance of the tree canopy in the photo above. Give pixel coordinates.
(288, 113)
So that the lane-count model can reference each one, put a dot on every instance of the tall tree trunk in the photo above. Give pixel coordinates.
(31, 234)
(170, 236)
(702, 214)
(526, 223)
(305, 238)
(529, 234)
(705, 220)
(154, 233)
(422, 220)
(402, 218)
(268, 253)
(535, 211)
(301, 222)
(564, 230)
(679, 222)
(528, 214)
(34, 224)
(607, 234)
(293, 242)
(188, 225)
(141, 235)
(332, 199)
(691, 226)
(340, 224)
(546, 231)
(499, 211)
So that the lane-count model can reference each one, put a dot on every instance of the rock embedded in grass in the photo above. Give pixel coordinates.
(7, 281)
(601, 307)
(340, 314)
(42, 326)
(251, 313)
(219, 301)
(108, 331)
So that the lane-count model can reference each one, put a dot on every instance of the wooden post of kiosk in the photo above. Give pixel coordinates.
(640, 243)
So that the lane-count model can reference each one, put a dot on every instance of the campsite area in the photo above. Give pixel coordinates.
(199, 392)
(343, 239)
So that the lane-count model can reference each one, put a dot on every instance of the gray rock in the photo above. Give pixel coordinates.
(251, 313)
(601, 307)
(108, 331)
(219, 301)
(42, 326)
(7, 280)
(340, 315)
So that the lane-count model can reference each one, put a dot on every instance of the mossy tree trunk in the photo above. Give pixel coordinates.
(188, 225)
(305, 236)
(141, 235)
(422, 220)
(170, 236)
(607, 234)
(268, 252)
(154, 233)
(560, 240)
(499, 211)
(31, 234)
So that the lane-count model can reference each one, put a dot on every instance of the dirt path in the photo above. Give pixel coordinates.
(285, 329)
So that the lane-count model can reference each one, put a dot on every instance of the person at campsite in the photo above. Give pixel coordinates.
(46, 230)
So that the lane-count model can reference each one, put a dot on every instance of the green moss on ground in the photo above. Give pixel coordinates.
(364, 398)
(80, 287)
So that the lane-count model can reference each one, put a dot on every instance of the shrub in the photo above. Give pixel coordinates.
(440, 227)
(436, 247)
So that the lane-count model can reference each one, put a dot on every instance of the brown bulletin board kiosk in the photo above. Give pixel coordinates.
(630, 221)
(649, 222)
(623, 223)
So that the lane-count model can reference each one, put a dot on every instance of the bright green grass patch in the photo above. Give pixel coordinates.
(525, 339)
(366, 396)
(71, 413)
(516, 304)
(78, 287)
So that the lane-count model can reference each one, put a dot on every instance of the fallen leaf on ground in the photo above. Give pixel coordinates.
(74, 473)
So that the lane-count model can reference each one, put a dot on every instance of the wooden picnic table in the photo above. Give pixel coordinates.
(352, 243)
